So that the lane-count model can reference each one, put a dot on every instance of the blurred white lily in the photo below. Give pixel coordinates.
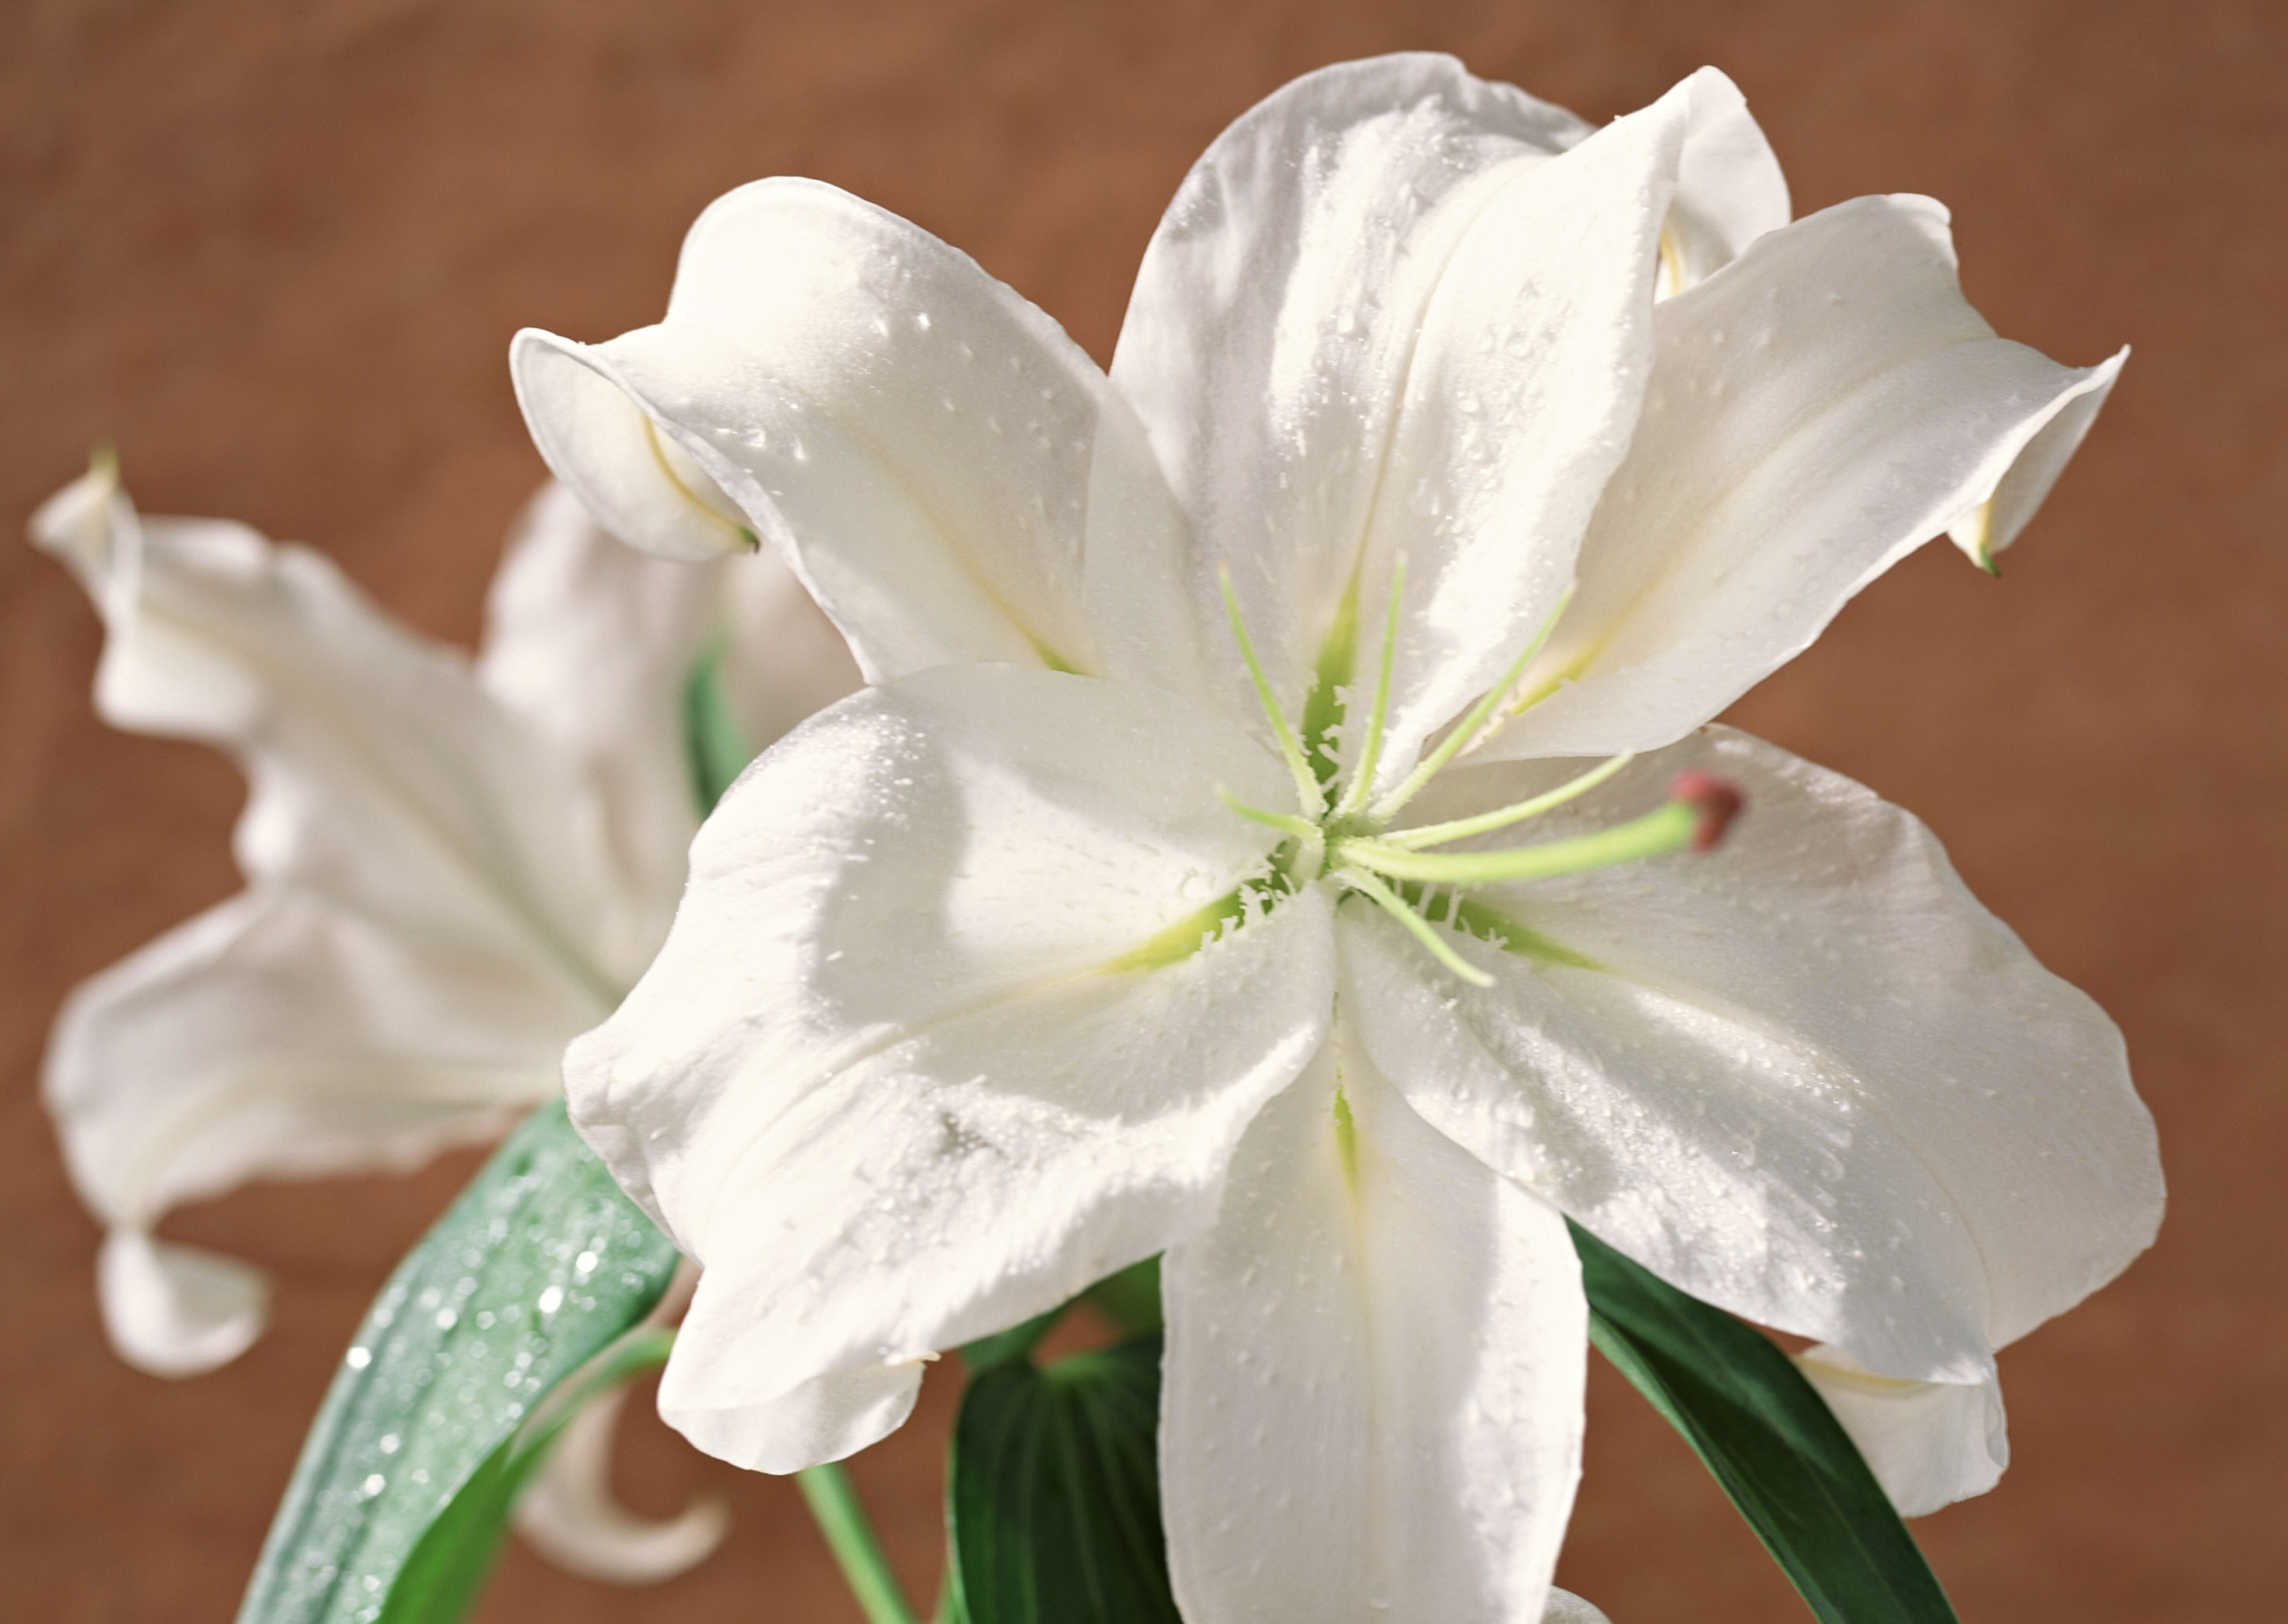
(1158, 896)
(1566, 1608)
(451, 869)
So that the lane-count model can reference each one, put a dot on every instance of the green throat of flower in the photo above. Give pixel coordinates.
(1342, 837)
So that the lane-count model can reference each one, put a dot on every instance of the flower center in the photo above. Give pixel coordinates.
(1344, 840)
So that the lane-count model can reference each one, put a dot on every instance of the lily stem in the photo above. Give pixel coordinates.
(842, 1519)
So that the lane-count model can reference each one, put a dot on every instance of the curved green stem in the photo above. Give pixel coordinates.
(842, 1519)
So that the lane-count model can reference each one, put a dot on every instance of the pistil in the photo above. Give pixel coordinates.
(1699, 807)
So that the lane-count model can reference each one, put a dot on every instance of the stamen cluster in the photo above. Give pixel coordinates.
(1348, 842)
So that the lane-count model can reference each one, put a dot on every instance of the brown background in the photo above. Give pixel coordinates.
(275, 250)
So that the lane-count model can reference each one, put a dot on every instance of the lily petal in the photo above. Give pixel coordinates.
(1268, 338)
(1995, 523)
(594, 643)
(569, 1514)
(1820, 408)
(1929, 1444)
(1440, 290)
(176, 1311)
(940, 464)
(1373, 1374)
(591, 643)
(783, 659)
(1517, 396)
(276, 1035)
(405, 966)
(976, 1174)
(923, 1022)
(1806, 1079)
(1729, 190)
(381, 774)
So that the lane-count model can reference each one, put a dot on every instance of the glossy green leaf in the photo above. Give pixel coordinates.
(1769, 1440)
(1054, 1492)
(441, 1575)
(713, 742)
(539, 1265)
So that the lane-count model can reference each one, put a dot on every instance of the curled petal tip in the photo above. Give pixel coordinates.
(569, 1514)
(1717, 801)
(176, 1311)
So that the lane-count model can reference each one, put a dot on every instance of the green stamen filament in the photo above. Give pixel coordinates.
(1488, 925)
(1466, 730)
(1486, 823)
(1286, 823)
(1362, 775)
(1433, 940)
(1670, 828)
(1394, 871)
(1306, 782)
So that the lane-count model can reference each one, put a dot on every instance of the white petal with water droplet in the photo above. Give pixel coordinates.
(1373, 1376)
(1804, 1077)
(1817, 410)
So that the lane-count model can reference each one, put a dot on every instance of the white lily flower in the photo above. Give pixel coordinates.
(1123, 915)
(451, 869)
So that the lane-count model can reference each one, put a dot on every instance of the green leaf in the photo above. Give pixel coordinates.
(539, 1265)
(713, 742)
(441, 1577)
(1052, 1492)
(1769, 1440)
(1131, 1298)
(1011, 1345)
